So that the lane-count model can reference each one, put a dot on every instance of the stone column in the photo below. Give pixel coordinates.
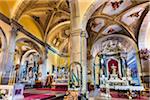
(11, 50)
(79, 53)
(2, 59)
(45, 62)
(84, 61)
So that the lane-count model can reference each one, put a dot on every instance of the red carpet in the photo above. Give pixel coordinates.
(29, 96)
(51, 89)
(123, 96)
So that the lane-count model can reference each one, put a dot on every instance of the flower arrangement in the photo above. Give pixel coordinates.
(3, 94)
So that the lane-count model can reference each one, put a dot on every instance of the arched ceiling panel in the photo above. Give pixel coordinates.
(59, 37)
(4, 8)
(144, 33)
(114, 7)
(121, 16)
(28, 23)
(38, 17)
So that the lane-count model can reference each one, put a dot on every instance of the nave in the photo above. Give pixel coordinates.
(74, 49)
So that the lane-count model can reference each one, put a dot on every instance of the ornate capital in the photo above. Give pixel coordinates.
(76, 32)
(79, 32)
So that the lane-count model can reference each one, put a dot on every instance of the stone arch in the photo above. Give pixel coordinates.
(36, 47)
(96, 48)
(144, 37)
(3, 47)
(95, 5)
(131, 54)
(20, 8)
(27, 54)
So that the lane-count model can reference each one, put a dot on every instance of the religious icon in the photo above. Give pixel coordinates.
(113, 68)
(116, 4)
(136, 14)
(111, 30)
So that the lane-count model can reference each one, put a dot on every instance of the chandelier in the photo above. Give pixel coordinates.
(144, 54)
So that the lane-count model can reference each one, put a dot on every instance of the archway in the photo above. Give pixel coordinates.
(3, 45)
(104, 18)
(28, 59)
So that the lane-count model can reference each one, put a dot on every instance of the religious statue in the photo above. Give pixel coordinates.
(113, 74)
(113, 67)
(129, 76)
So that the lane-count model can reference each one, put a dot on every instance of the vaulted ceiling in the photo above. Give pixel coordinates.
(117, 16)
(49, 20)
(42, 18)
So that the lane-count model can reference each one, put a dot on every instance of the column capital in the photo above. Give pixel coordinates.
(76, 32)
(79, 32)
(15, 26)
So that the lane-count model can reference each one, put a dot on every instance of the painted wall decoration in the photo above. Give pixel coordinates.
(133, 15)
(111, 29)
(97, 24)
(113, 66)
(115, 7)
(112, 46)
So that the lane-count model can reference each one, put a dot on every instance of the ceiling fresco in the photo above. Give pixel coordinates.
(116, 6)
(112, 29)
(116, 16)
(47, 14)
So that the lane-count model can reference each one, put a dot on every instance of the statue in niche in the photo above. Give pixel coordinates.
(30, 73)
(114, 69)
(24, 71)
(129, 74)
(113, 72)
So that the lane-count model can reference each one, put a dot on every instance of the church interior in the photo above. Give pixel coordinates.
(74, 49)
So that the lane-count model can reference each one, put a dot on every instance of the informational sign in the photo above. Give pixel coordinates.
(11, 92)
(18, 91)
